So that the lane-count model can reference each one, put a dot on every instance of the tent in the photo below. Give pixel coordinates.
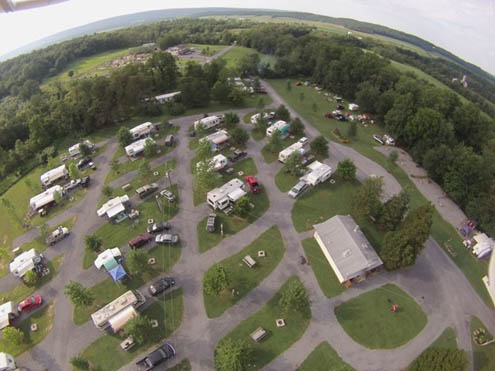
(110, 264)
(117, 273)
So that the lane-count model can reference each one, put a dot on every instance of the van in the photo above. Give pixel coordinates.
(169, 140)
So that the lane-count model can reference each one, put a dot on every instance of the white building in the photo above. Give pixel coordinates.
(220, 198)
(7, 362)
(114, 208)
(280, 125)
(142, 130)
(137, 147)
(117, 313)
(318, 173)
(46, 198)
(75, 150)
(54, 175)
(346, 248)
(208, 122)
(24, 262)
(216, 139)
(285, 154)
(8, 312)
(169, 97)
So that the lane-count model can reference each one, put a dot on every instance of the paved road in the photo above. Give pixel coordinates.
(435, 282)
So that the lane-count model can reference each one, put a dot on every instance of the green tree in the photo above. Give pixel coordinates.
(31, 278)
(124, 136)
(12, 335)
(163, 70)
(231, 120)
(293, 162)
(221, 91)
(215, 280)
(93, 242)
(70, 73)
(367, 97)
(367, 202)
(107, 191)
(396, 251)
(232, 355)
(236, 97)
(242, 207)
(139, 328)
(79, 363)
(274, 142)
(150, 148)
(297, 127)
(282, 113)
(136, 261)
(394, 210)
(144, 170)
(78, 294)
(352, 130)
(346, 169)
(84, 150)
(204, 176)
(417, 225)
(294, 298)
(204, 151)
(319, 146)
(440, 359)
(74, 172)
(261, 125)
(240, 136)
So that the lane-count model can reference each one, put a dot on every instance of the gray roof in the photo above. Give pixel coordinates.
(348, 247)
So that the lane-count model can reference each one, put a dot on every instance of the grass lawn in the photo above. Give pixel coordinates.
(247, 166)
(324, 358)
(272, 155)
(167, 310)
(278, 339)
(447, 340)
(43, 318)
(234, 55)
(324, 273)
(106, 291)
(369, 320)
(207, 49)
(285, 181)
(443, 232)
(231, 224)
(242, 278)
(22, 291)
(483, 357)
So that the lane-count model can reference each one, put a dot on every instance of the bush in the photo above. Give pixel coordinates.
(320, 146)
(107, 191)
(240, 136)
(12, 335)
(176, 109)
(139, 328)
(31, 278)
(215, 280)
(439, 359)
(79, 363)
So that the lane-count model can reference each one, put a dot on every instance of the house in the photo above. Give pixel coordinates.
(46, 198)
(282, 126)
(30, 260)
(118, 312)
(75, 150)
(318, 173)
(7, 362)
(230, 192)
(54, 175)
(217, 163)
(137, 147)
(142, 131)
(208, 122)
(8, 313)
(165, 98)
(346, 248)
(296, 147)
(217, 139)
(115, 209)
(353, 107)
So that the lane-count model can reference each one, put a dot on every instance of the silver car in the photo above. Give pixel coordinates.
(298, 189)
(167, 238)
(168, 195)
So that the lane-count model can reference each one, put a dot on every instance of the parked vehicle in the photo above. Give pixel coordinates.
(253, 184)
(74, 183)
(85, 162)
(169, 140)
(298, 189)
(306, 160)
(329, 115)
(85, 181)
(167, 238)
(158, 227)
(210, 222)
(168, 195)
(378, 138)
(30, 303)
(146, 190)
(161, 285)
(140, 240)
(237, 155)
(303, 141)
(161, 354)
(57, 235)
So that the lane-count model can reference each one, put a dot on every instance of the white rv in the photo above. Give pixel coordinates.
(318, 173)
(221, 198)
(75, 150)
(27, 261)
(54, 175)
(217, 163)
(169, 97)
(137, 147)
(216, 139)
(46, 198)
(7, 362)
(117, 313)
(285, 154)
(114, 207)
(142, 130)
(8, 312)
(484, 245)
(208, 122)
(353, 107)
(280, 125)
(266, 116)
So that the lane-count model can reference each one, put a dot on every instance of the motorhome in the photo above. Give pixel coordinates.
(217, 163)
(47, 198)
(208, 122)
(165, 98)
(8, 313)
(142, 131)
(216, 140)
(30, 260)
(281, 126)
(75, 150)
(318, 173)
(137, 147)
(296, 147)
(54, 175)
(221, 198)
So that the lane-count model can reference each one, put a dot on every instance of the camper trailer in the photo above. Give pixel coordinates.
(165, 98)
(208, 122)
(8, 313)
(30, 260)
(7, 362)
(281, 126)
(318, 173)
(134, 149)
(54, 175)
(221, 198)
(142, 131)
(75, 150)
(46, 199)
(285, 154)
(216, 140)
(217, 163)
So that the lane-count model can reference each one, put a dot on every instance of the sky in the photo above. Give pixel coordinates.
(463, 27)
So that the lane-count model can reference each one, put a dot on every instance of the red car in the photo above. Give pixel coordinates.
(30, 303)
(139, 241)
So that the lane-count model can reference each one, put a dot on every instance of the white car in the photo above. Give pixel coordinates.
(303, 141)
(167, 238)
(378, 138)
(168, 195)
(298, 189)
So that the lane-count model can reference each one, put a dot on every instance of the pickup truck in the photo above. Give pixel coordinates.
(159, 355)
(237, 155)
(57, 235)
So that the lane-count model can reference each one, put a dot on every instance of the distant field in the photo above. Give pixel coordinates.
(234, 55)
(209, 49)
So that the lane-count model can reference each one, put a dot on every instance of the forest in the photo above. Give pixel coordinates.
(454, 141)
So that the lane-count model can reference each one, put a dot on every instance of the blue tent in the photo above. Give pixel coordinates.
(117, 273)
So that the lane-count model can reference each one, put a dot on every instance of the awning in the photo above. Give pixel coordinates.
(117, 273)
(120, 320)
(106, 255)
(117, 209)
(110, 264)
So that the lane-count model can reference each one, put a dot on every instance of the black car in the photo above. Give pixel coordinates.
(85, 181)
(161, 354)
(83, 162)
(237, 155)
(161, 285)
(158, 227)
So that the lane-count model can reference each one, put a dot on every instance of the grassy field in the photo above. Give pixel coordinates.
(167, 310)
(444, 233)
(271, 155)
(329, 284)
(234, 55)
(43, 318)
(207, 49)
(22, 291)
(483, 357)
(369, 320)
(231, 224)
(278, 339)
(242, 278)
(183, 365)
(324, 358)
(106, 291)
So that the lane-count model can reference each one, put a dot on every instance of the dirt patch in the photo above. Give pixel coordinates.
(4, 239)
